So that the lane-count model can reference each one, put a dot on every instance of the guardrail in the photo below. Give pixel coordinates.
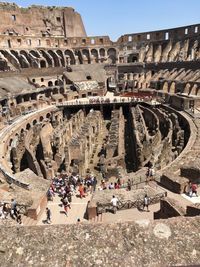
(128, 204)
(108, 101)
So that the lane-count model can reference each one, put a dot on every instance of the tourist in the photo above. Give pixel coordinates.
(66, 205)
(5, 210)
(194, 189)
(94, 183)
(48, 214)
(111, 186)
(129, 185)
(151, 173)
(114, 202)
(13, 210)
(146, 202)
(81, 190)
(117, 186)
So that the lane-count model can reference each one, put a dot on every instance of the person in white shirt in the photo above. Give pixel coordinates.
(114, 202)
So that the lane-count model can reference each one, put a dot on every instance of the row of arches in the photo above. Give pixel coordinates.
(58, 58)
(187, 88)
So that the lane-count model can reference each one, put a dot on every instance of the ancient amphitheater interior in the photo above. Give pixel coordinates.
(77, 105)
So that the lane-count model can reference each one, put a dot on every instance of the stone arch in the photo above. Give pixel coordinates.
(23, 62)
(187, 89)
(50, 83)
(11, 58)
(28, 126)
(34, 53)
(132, 58)
(80, 56)
(55, 58)
(48, 115)
(27, 56)
(48, 58)
(102, 52)
(70, 56)
(41, 118)
(86, 56)
(173, 88)
(62, 59)
(43, 64)
(194, 89)
(165, 87)
(112, 55)
(198, 91)
(94, 54)
(34, 122)
(19, 99)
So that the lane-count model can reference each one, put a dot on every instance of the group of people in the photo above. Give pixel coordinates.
(7, 209)
(68, 185)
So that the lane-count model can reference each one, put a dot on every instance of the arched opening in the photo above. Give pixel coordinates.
(173, 88)
(24, 162)
(60, 53)
(80, 57)
(187, 89)
(86, 56)
(70, 59)
(132, 58)
(94, 54)
(50, 83)
(102, 52)
(55, 58)
(34, 122)
(42, 64)
(47, 57)
(112, 55)
(48, 116)
(41, 118)
(165, 87)
(28, 126)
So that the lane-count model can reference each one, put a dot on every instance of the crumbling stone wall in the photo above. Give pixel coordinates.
(169, 242)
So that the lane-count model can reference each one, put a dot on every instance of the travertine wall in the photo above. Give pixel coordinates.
(40, 21)
(172, 242)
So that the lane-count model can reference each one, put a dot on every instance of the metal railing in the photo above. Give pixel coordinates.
(129, 204)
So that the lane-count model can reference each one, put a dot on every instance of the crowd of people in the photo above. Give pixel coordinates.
(67, 186)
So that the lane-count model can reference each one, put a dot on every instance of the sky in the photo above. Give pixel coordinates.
(117, 17)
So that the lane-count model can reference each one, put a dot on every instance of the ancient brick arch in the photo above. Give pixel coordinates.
(187, 88)
(172, 88)
(194, 89)
(55, 58)
(28, 126)
(43, 64)
(86, 56)
(70, 58)
(94, 54)
(112, 55)
(48, 58)
(166, 87)
(62, 59)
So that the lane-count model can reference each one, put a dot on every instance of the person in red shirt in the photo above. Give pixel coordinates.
(194, 189)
